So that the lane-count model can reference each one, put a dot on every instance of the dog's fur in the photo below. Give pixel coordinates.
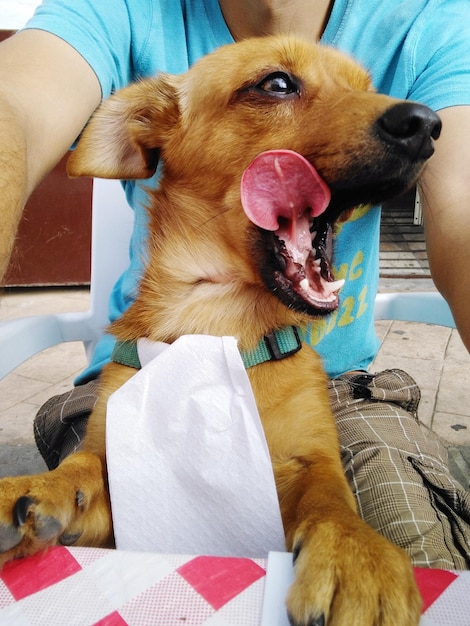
(207, 274)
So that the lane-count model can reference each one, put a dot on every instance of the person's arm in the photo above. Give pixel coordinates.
(47, 94)
(445, 191)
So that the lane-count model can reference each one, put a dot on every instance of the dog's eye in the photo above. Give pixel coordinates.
(278, 84)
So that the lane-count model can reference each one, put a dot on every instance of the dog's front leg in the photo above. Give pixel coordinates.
(345, 572)
(70, 504)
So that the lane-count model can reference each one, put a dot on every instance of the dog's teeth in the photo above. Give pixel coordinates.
(304, 284)
(336, 285)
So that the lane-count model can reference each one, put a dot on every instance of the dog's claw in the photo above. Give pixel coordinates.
(68, 539)
(21, 510)
(80, 499)
(46, 527)
(313, 621)
(9, 537)
(296, 551)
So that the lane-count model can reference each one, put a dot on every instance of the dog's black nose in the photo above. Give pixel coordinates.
(410, 127)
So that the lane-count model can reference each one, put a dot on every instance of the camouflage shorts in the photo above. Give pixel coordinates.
(60, 424)
(397, 469)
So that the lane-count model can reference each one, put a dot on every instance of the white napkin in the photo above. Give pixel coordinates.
(189, 468)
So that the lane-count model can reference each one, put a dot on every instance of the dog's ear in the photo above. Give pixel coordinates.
(124, 137)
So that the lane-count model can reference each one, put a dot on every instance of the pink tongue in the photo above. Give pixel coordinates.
(281, 183)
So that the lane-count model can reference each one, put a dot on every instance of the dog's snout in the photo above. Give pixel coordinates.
(410, 127)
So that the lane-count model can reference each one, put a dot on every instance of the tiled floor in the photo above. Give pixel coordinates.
(434, 356)
(51, 372)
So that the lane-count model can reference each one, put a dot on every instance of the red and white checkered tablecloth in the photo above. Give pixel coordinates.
(85, 587)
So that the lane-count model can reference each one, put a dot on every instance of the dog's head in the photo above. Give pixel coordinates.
(274, 138)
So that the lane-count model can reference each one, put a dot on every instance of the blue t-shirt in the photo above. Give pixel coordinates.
(413, 49)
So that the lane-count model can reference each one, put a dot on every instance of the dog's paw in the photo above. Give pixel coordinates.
(32, 522)
(63, 506)
(349, 574)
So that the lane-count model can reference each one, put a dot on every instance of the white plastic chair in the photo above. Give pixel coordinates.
(428, 307)
(21, 338)
(112, 219)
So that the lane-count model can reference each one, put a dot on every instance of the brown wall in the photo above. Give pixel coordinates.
(54, 237)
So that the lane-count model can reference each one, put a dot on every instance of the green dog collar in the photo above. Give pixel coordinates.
(125, 353)
(277, 345)
(273, 347)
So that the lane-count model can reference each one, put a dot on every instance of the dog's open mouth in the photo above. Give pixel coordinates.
(284, 195)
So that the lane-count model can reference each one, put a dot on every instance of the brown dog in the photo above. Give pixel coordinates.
(230, 255)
